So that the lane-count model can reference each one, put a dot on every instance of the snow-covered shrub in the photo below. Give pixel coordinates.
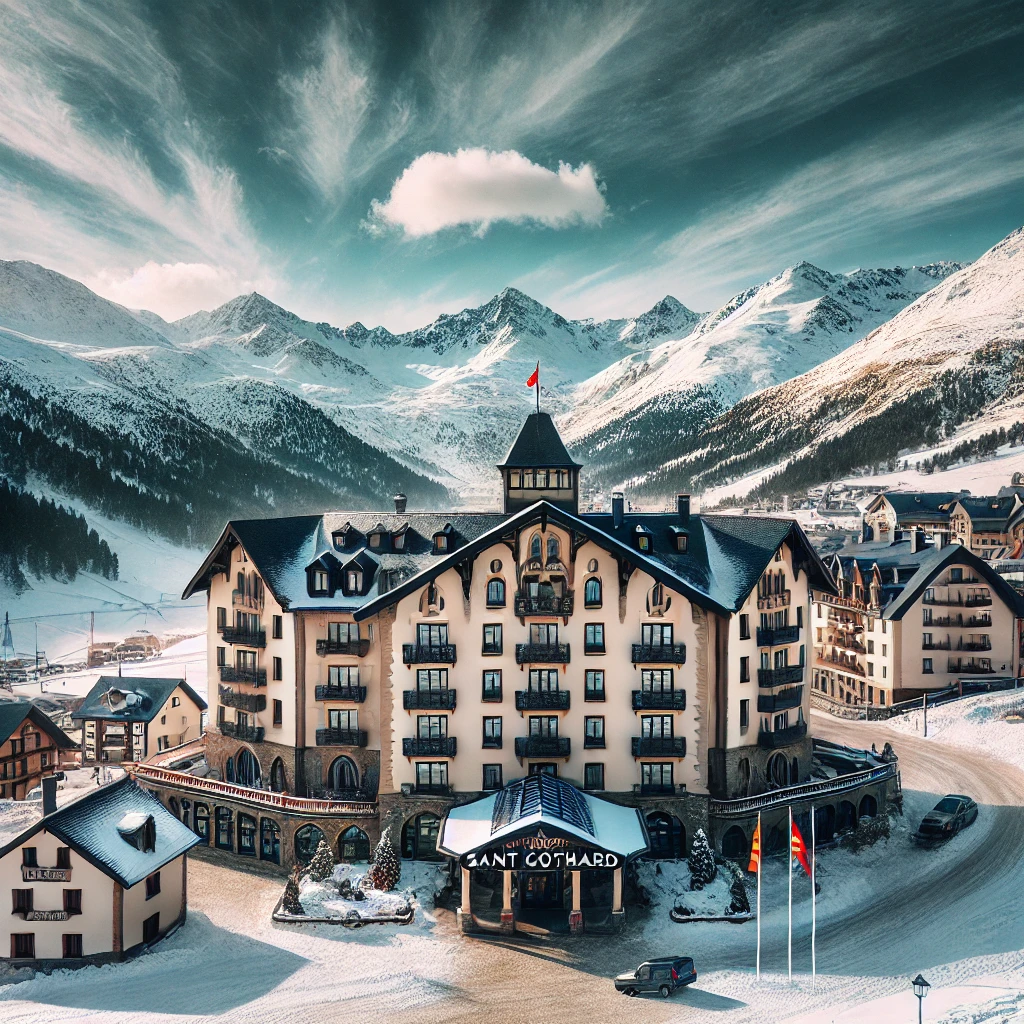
(740, 903)
(386, 869)
(291, 903)
(701, 861)
(322, 864)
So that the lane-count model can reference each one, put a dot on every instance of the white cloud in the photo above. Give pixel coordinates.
(478, 187)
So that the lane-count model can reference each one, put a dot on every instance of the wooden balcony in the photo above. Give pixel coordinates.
(252, 676)
(664, 700)
(350, 694)
(543, 604)
(543, 654)
(782, 737)
(341, 738)
(542, 700)
(769, 703)
(247, 733)
(251, 702)
(244, 637)
(659, 654)
(429, 700)
(781, 676)
(352, 648)
(777, 637)
(429, 746)
(542, 746)
(659, 746)
(428, 654)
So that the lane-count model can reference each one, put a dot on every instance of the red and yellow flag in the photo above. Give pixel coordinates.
(755, 849)
(799, 849)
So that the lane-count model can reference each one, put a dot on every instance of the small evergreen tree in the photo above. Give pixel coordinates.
(386, 869)
(291, 903)
(322, 864)
(740, 903)
(701, 861)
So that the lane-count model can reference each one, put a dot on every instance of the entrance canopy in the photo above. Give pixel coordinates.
(544, 818)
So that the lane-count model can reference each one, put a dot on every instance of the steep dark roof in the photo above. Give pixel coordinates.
(14, 712)
(551, 796)
(153, 692)
(538, 445)
(89, 825)
(988, 513)
(912, 505)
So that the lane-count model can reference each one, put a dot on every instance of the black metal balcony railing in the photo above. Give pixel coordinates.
(341, 737)
(353, 648)
(244, 637)
(544, 604)
(775, 637)
(959, 601)
(665, 700)
(656, 789)
(937, 645)
(787, 674)
(542, 700)
(548, 654)
(353, 694)
(593, 742)
(252, 676)
(491, 649)
(769, 703)
(248, 733)
(974, 645)
(969, 668)
(659, 746)
(429, 746)
(983, 621)
(428, 654)
(593, 648)
(428, 700)
(659, 654)
(434, 788)
(542, 746)
(251, 702)
(782, 737)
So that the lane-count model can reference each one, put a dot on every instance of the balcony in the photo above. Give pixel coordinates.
(545, 654)
(659, 654)
(974, 645)
(958, 601)
(542, 746)
(429, 746)
(769, 601)
(937, 645)
(657, 789)
(352, 694)
(844, 663)
(782, 676)
(352, 648)
(341, 737)
(542, 700)
(959, 622)
(665, 700)
(659, 746)
(252, 676)
(248, 733)
(782, 737)
(769, 703)
(251, 702)
(428, 700)
(969, 669)
(543, 604)
(846, 643)
(775, 637)
(244, 637)
(434, 788)
(428, 654)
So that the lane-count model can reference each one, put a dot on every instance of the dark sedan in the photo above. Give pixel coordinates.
(951, 814)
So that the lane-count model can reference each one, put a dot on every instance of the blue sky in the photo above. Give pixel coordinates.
(385, 162)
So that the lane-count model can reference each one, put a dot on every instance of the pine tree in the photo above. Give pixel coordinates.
(740, 903)
(386, 869)
(291, 903)
(322, 864)
(701, 861)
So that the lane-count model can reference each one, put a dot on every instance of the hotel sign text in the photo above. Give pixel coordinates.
(539, 853)
(45, 874)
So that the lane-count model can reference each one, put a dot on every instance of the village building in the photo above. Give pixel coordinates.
(95, 880)
(911, 617)
(30, 747)
(128, 718)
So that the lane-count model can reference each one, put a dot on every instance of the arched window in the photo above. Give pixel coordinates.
(535, 546)
(229, 770)
(868, 807)
(592, 592)
(202, 822)
(343, 776)
(247, 770)
(353, 844)
(307, 839)
(278, 779)
(225, 839)
(668, 837)
(270, 841)
(553, 548)
(246, 835)
(419, 837)
(496, 593)
(735, 845)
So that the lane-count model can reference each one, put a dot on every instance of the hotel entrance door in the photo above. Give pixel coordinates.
(540, 890)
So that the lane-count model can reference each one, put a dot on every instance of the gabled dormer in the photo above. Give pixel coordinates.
(344, 538)
(357, 574)
(322, 575)
(378, 538)
(443, 540)
(538, 467)
(400, 538)
(643, 538)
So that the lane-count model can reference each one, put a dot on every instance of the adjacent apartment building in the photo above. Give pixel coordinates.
(30, 747)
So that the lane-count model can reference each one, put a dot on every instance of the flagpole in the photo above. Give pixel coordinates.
(538, 387)
(790, 951)
(814, 905)
(759, 898)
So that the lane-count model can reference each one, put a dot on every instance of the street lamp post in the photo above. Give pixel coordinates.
(920, 990)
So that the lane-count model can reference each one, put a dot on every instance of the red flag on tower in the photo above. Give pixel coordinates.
(534, 377)
(799, 849)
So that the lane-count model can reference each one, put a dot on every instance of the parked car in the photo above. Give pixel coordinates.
(663, 975)
(951, 814)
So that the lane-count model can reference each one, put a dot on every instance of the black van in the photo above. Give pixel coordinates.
(664, 975)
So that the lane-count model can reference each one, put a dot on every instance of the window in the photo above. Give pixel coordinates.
(535, 546)
(543, 680)
(656, 726)
(593, 640)
(492, 639)
(515, 479)
(246, 836)
(643, 541)
(656, 634)
(431, 775)
(440, 543)
(744, 669)
(657, 680)
(23, 947)
(398, 541)
(224, 837)
(353, 581)
(278, 712)
(956, 575)
(346, 721)
(593, 776)
(594, 684)
(28, 857)
(544, 725)
(884, 671)
(270, 841)
(222, 619)
(744, 715)
(682, 542)
(492, 733)
(592, 592)
(496, 593)
(432, 727)
(492, 685)
(492, 776)
(540, 477)
(871, 647)
(432, 634)
(73, 901)
(342, 632)
(319, 582)
(544, 634)
(593, 732)
(871, 668)
(22, 899)
(342, 675)
(222, 657)
(885, 650)
(926, 666)
(151, 928)
(71, 946)
(744, 627)
(656, 777)
(64, 857)
(278, 669)
(554, 549)
(885, 626)
(277, 627)
(153, 885)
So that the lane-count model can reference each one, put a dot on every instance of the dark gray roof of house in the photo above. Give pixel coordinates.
(912, 505)
(988, 513)
(89, 825)
(152, 692)
(538, 445)
(13, 713)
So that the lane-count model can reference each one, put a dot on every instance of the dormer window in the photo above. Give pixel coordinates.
(319, 581)
(398, 539)
(643, 539)
(374, 540)
(341, 537)
(353, 581)
(682, 542)
(440, 543)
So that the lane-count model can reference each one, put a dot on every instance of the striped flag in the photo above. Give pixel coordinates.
(755, 849)
(799, 849)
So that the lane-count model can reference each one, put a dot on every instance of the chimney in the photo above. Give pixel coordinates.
(400, 502)
(683, 508)
(916, 540)
(618, 505)
(49, 794)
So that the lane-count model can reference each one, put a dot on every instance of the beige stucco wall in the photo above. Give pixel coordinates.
(167, 903)
(183, 723)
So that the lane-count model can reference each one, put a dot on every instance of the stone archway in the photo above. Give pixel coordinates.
(353, 844)
(846, 817)
(419, 837)
(278, 777)
(667, 836)
(343, 775)
(824, 824)
(247, 769)
(777, 771)
(868, 807)
(735, 845)
(307, 839)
